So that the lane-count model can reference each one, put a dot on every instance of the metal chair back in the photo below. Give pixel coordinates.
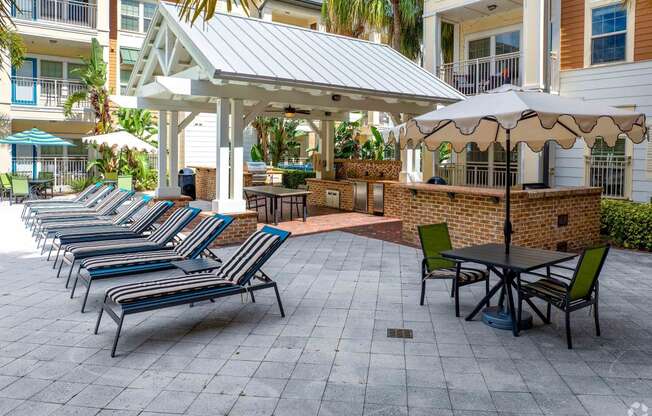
(587, 272)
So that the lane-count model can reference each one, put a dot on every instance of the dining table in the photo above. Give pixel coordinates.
(507, 265)
(36, 185)
(278, 193)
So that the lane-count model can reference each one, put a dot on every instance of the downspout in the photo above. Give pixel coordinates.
(545, 160)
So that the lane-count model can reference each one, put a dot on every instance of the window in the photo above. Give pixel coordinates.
(479, 48)
(129, 15)
(73, 70)
(508, 42)
(51, 69)
(148, 14)
(608, 34)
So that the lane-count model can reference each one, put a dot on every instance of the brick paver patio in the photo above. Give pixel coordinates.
(329, 356)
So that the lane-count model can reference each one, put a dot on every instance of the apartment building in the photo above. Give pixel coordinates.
(57, 33)
(594, 49)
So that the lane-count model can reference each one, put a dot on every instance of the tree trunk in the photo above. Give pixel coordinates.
(396, 25)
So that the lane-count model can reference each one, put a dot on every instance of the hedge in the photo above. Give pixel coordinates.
(293, 178)
(626, 223)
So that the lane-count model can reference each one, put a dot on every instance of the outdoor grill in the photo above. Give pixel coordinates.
(258, 171)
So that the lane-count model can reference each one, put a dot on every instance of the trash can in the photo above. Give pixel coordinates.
(187, 182)
(437, 180)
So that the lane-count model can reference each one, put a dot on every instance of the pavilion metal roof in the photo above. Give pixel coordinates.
(232, 48)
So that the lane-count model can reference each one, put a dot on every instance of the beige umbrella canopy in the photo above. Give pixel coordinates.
(120, 139)
(530, 117)
(510, 116)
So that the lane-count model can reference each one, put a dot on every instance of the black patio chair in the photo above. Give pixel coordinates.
(256, 201)
(435, 239)
(567, 293)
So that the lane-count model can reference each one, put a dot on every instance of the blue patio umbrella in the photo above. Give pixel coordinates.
(33, 137)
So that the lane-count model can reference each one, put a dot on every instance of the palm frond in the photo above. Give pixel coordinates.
(74, 98)
(191, 10)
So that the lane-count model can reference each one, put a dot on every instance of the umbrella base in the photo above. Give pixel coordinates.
(497, 317)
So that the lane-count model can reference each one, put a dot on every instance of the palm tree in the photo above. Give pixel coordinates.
(93, 77)
(190, 10)
(400, 20)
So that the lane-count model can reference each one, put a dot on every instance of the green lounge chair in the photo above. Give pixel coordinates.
(567, 293)
(49, 185)
(5, 186)
(19, 188)
(435, 239)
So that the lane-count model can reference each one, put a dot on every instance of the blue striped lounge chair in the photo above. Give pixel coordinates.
(126, 216)
(137, 229)
(234, 277)
(194, 245)
(109, 206)
(89, 203)
(77, 200)
(155, 241)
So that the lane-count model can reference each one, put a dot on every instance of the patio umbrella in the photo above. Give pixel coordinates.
(511, 116)
(120, 139)
(33, 137)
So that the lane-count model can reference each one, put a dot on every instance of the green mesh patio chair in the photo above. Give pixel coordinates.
(126, 182)
(568, 293)
(19, 188)
(5, 186)
(435, 239)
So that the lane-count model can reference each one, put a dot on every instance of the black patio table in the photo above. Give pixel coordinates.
(276, 193)
(36, 184)
(506, 267)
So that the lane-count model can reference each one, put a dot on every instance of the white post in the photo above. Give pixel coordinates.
(173, 126)
(328, 148)
(490, 166)
(404, 175)
(416, 173)
(220, 203)
(162, 162)
(237, 157)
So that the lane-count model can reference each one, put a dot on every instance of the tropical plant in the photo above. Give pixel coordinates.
(190, 10)
(346, 141)
(93, 77)
(12, 42)
(106, 161)
(80, 184)
(283, 133)
(375, 148)
(138, 122)
(257, 153)
(400, 20)
(263, 125)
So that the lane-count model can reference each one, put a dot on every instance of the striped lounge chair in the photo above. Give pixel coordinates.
(110, 232)
(79, 199)
(196, 243)
(127, 215)
(155, 241)
(89, 202)
(88, 205)
(234, 277)
(108, 206)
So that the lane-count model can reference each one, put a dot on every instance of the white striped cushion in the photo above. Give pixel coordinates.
(88, 248)
(165, 288)
(171, 226)
(198, 236)
(152, 214)
(467, 275)
(128, 213)
(131, 259)
(246, 257)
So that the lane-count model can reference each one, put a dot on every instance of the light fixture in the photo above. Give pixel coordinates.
(492, 7)
(289, 112)
(336, 97)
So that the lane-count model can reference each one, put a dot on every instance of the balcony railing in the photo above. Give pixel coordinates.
(44, 92)
(476, 174)
(609, 173)
(64, 169)
(69, 12)
(475, 76)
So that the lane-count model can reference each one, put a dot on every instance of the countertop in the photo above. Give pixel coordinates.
(500, 193)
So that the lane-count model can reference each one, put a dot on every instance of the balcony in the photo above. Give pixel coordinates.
(609, 172)
(44, 92)
(67, 12)
(475, 76)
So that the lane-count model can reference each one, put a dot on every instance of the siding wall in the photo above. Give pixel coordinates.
(618, 85)
(572, 34)
(643, 31)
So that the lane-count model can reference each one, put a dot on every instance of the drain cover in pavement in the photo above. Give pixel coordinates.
(399, 333)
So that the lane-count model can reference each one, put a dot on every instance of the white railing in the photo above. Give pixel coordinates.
(64, 169)
(70, 12)
(45, 92)
(609, 173)
(476, 174)
(475, 76)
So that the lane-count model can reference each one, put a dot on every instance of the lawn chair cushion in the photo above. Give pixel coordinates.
(166, 288)
(98, 247)
(170, 227)
(143, 223)
(246, 258)
(548, 288)
(197, 238)
(467, 274)
(93, 264)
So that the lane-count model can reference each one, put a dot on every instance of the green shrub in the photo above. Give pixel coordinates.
(626, 223)
(79, 185)
(293, 178)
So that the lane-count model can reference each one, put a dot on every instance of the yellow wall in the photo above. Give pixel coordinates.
(489, 23)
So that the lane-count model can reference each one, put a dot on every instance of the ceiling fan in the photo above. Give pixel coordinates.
(291, 112)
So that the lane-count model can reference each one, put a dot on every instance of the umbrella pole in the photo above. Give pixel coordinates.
(507, 230)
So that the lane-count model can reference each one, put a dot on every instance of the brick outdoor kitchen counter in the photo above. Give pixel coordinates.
(556, 218)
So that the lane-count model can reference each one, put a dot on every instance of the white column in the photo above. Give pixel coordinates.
(416, 171)
(437, 57)
(174, 151)
(328, 149)
(428, 164)
(162, 162)
(534, 29)
(222, 156)
(405, 159)
(237, 201)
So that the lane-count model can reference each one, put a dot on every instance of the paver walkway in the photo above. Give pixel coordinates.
(329, 356)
